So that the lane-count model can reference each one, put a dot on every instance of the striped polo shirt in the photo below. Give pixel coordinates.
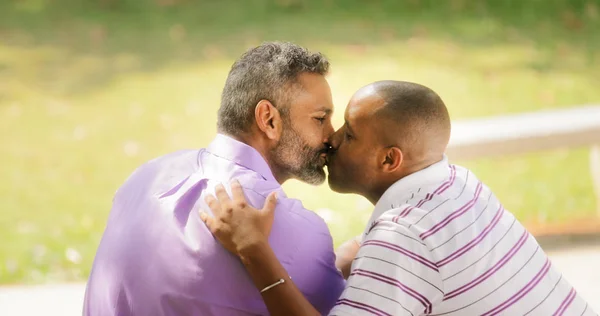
(440, 243)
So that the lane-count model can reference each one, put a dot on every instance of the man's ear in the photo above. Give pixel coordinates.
(392, 160)
(268, 119)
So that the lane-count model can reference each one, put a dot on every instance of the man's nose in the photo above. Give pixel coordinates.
(329, 131)
(334, 140)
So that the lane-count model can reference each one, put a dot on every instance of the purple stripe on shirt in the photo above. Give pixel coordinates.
(404, 213)
(526, 289)
(428, 197)
(373, 225)
(449, 183)
(565, 304)
(491, 271)
(403, 251)
(380, 277)
(445, 185)
(437, 227)
(362, 306)
(473, 242)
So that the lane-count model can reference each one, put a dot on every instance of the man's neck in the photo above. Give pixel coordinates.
(261, 147)
(374, 195)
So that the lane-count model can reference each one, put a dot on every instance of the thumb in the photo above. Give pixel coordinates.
(208, 220)
(269, 208)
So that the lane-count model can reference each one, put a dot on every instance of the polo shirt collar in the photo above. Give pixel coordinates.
(433, 174)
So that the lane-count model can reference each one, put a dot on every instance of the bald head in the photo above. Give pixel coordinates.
(391, 129)
(410, 116)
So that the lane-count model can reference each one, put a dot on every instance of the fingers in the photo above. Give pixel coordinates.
(222, 206)
(238, 195)
(222, 194)
(213, 204)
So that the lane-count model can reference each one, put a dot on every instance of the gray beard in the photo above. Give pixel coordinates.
(296, 159)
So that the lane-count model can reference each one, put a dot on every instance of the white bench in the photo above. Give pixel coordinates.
(529, 132)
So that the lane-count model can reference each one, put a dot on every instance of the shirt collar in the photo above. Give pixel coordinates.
(435, 173)
(242, 154)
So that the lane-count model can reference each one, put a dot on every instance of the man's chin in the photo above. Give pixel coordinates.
(315, 177)
(335, 185)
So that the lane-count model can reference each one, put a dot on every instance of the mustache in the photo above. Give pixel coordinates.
(325, 150)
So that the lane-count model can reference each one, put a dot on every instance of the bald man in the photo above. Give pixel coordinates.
(438, 243)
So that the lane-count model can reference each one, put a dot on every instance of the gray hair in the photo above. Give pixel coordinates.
(267, 72)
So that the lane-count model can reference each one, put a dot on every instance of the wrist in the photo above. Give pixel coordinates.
(252, 250)
(261, 263)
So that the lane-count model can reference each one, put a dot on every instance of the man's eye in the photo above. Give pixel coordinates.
(320, 119)
(348, 136)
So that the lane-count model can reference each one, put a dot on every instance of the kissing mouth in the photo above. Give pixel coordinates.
(326, 153)
(325, 158)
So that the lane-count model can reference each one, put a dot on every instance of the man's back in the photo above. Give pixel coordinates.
(157, 258)
(440, 243)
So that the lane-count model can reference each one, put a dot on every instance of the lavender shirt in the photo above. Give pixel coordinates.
(157, 258)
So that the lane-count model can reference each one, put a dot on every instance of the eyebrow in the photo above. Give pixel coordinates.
(326, 110)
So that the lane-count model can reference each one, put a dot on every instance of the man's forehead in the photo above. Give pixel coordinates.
(365, 91)
(364, 105)
(314, 94)
(318, 106)
(312, 108)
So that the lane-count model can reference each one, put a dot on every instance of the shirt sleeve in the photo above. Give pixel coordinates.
(393, 273)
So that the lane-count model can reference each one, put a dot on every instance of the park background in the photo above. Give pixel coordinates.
(90, 90)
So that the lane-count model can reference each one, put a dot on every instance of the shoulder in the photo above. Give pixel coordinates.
(310, 217)
(163, 169)
(293, 208)
(177, 158)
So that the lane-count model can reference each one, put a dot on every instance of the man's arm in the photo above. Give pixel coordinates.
(264, 269)
(244, 231)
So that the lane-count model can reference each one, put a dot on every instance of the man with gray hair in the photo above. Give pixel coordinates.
(157, 258)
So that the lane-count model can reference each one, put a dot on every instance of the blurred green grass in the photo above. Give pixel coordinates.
(90, 90)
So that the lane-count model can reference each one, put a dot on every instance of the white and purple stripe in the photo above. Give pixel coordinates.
(406, 289)
(463, 255)
(454, 215)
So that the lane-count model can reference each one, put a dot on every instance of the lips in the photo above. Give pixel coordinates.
(324, 157)
(324, 154)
